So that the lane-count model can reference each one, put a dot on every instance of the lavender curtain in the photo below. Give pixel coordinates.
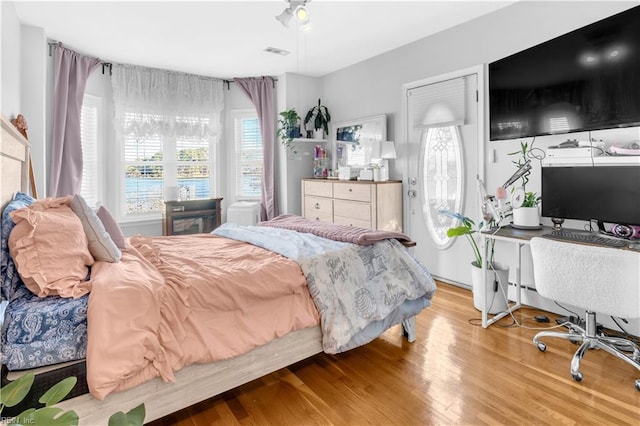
(71, 72)
(260, 91)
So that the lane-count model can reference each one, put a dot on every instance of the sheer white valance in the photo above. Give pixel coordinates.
(166, 103)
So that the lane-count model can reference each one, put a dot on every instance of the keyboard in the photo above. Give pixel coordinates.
(585, 238)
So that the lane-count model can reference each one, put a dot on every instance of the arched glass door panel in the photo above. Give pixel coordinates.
(441, 173)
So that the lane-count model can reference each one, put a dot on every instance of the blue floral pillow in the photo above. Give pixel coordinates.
(8, 271)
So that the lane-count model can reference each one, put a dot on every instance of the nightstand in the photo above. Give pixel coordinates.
(191, 216)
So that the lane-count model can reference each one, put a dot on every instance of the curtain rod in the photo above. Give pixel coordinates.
(52, 44)
(109, 65)
(228, 82)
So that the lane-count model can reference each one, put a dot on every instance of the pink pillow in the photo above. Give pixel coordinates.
(111, 227)
(50, 248)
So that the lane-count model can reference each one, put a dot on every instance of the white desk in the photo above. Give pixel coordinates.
(519, 238)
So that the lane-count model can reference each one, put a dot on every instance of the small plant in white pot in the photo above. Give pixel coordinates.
(497, 274)
(525, 203)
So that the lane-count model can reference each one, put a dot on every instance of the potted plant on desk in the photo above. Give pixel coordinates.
(525, 204)
(497, 274)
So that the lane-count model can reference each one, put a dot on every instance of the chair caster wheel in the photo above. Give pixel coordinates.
(577, 377)
(637, 385)
(542, 347)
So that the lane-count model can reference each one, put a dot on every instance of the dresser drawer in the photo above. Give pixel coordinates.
(352, 222)
(314, 206)
(352, 210)
(319, 188)
(352, 191)
(320, 217)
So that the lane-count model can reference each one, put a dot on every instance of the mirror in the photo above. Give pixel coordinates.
(358, 141)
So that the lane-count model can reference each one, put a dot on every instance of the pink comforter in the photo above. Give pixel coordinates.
(174, 301)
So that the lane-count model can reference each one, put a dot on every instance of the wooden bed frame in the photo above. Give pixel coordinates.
(194, 383)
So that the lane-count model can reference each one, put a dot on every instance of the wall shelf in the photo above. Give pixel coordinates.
(608, 160)
(309, 140)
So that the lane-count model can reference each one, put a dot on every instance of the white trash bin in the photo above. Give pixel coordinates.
(244, 213)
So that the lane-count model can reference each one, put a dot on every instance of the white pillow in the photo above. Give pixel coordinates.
(101, 246)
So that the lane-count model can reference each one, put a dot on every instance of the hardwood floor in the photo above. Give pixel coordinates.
(456, 373)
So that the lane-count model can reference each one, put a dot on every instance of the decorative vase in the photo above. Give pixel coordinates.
(318, 134)
(526, 217)
(496, 287)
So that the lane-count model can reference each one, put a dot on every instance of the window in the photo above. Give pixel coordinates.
(154, 161)
(442, 180)
(89, 134)
(167, 126)
(248, 143)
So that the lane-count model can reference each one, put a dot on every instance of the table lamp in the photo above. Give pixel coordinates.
(387, 152)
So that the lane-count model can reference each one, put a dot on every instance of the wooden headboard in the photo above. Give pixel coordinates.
(14, 162)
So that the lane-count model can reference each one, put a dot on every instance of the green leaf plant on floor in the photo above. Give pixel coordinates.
(13, 393)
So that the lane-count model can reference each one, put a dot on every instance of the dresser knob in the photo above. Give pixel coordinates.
(317, 206)
(350, 190)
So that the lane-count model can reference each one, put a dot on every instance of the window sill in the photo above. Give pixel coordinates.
(140, 220)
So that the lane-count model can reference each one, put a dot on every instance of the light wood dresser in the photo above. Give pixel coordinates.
(367, 204)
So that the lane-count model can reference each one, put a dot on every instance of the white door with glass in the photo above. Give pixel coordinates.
(442, 134)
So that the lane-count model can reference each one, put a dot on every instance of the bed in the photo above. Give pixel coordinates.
(194, 382)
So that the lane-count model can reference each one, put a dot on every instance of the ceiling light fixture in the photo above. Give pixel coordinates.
(297, 8)
(302, 14)
(285, 17)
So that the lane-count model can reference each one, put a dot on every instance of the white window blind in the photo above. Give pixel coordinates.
(249, 158)
(438, 105)
(89, 134)
(144, 167)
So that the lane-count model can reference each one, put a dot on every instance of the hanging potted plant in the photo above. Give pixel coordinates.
(497, 274)
(288, 127)
(525, 203)
(321, 118)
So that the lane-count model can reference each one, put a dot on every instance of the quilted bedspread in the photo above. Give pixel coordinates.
(359, 291)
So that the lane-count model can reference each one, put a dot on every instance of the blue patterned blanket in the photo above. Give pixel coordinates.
(359, 291)
(43, 331)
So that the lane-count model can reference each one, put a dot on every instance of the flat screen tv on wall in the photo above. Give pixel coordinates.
(587, 79)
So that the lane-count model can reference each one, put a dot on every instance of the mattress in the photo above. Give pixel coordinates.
(43, 331)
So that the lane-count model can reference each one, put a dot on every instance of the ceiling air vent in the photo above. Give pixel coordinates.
(277, 51)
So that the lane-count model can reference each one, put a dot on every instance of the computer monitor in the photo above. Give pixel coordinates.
(609, 194)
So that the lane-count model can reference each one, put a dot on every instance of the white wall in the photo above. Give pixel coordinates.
(23, 83)
(10, 68)
(301, 93)
(32, 88)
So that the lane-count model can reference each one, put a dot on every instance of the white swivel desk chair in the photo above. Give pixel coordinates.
(596, 279)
